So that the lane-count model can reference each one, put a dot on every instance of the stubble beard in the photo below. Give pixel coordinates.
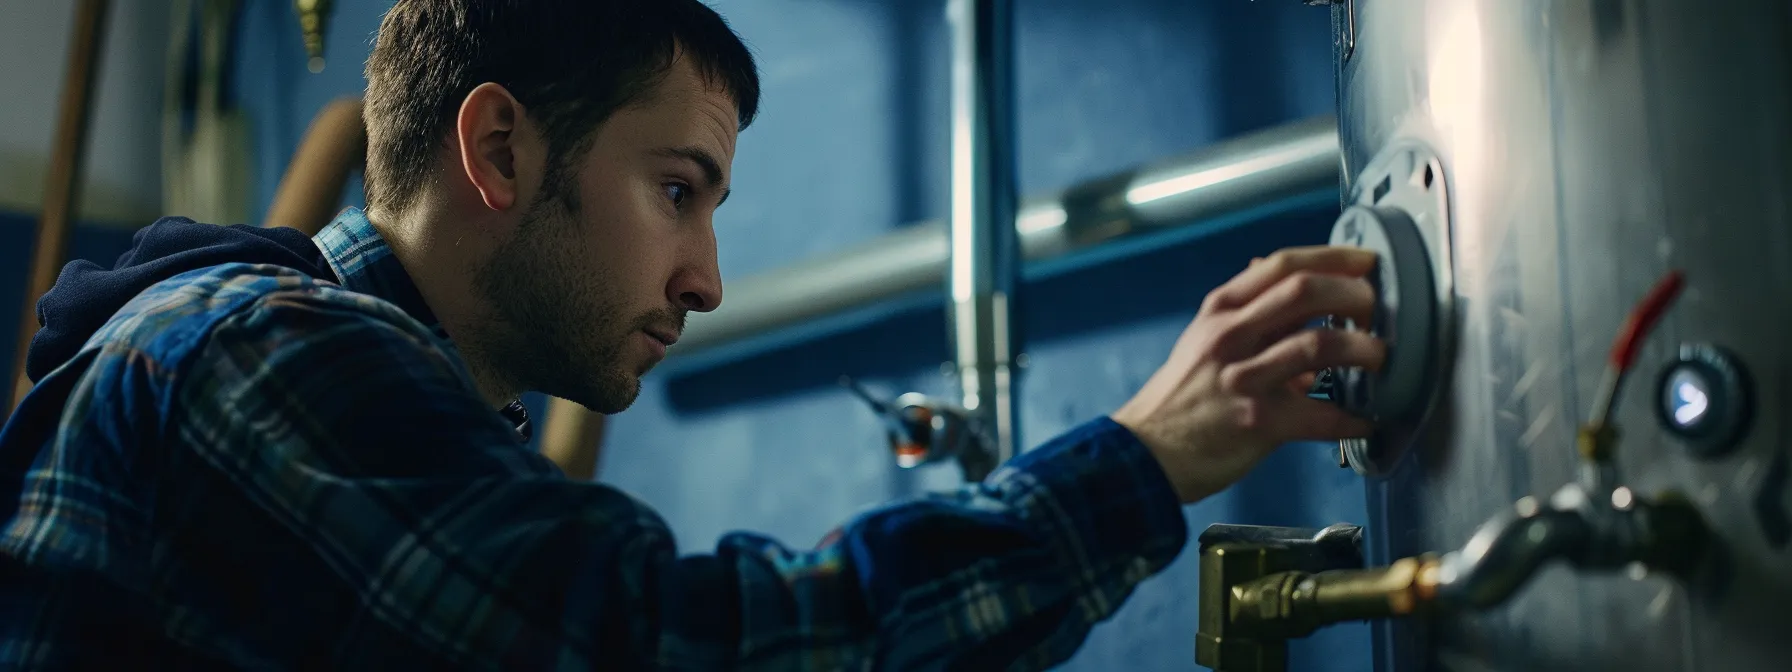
(554, 330)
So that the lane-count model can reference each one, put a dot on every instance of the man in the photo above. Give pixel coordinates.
(249, 449)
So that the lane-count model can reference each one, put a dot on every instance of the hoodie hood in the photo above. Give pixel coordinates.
(86, 295)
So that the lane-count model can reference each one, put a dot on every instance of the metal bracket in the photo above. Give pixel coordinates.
(1232, 555)
(1348, 36)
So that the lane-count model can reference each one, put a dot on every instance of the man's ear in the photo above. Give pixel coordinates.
(490, 145)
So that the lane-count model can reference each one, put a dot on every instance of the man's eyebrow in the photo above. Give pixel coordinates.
(712, 169)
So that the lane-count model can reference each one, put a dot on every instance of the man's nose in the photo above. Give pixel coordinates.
(697, 287)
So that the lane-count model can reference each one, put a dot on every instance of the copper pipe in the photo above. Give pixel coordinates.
(62, 190)
(572, 437)
(334, 146)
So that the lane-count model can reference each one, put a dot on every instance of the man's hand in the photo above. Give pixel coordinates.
(1235, 384)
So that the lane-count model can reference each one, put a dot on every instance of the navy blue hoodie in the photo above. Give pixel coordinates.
(87, 294)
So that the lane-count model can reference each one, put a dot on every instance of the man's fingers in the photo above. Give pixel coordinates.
(1309, 350)
(1306, 419)
(1261, 275)
(1303, 383)
(1299, 299)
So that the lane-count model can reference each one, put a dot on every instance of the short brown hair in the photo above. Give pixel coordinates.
(571, 63)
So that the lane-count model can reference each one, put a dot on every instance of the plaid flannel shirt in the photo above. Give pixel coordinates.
(249, 468)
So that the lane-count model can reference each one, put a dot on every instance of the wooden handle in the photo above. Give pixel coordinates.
(62, 189)
(573, 438)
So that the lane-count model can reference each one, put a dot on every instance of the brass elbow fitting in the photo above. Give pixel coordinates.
(1294, 604)
(1252, 578)
(313, 16)
(1596, 443)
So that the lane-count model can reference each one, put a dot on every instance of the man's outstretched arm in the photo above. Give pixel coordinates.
(331, 415)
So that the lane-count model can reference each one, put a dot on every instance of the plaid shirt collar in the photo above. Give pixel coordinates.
(365, 264)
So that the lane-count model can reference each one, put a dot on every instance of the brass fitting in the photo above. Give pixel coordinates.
(313, 16)
(1294, 604)
(1259, 592)
(1220, 644)
(1597, 442)
(1244, 568)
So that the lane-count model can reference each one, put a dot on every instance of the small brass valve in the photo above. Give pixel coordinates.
(313, 16)
(924, 429)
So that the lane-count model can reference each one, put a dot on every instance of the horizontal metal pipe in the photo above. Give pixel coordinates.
(1224, 178)
(1506, 553)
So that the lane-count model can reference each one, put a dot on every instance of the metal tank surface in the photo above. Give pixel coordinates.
(1582, 211)
(1581, 150)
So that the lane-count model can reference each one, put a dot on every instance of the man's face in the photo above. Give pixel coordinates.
(598, 279)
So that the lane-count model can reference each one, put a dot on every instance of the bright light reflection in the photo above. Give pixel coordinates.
(1690, 403)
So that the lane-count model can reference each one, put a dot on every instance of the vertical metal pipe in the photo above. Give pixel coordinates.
(984, 247)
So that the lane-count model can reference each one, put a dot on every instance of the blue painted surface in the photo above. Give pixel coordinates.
(98, 243)
(851, 143)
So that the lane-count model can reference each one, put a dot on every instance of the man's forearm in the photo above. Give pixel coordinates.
(1017, 569)
(409, 496)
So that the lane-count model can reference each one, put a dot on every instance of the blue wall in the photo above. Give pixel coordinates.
(852, 143)
(96, 242)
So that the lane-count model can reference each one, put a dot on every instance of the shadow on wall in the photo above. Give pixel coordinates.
(1170, 280)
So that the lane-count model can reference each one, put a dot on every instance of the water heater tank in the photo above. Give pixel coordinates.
(1529, 169)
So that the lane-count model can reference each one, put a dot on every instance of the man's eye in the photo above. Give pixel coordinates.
(677, 192)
